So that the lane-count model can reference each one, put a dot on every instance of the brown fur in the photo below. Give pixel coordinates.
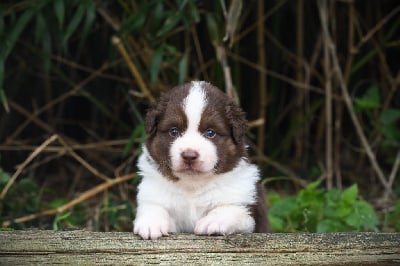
(222, 115)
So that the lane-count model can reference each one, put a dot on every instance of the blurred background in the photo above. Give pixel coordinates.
(319, 81)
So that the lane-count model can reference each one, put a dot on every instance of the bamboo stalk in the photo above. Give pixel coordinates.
(135, 73)
(351, 52)
(328, 98)
(299, 115)
(262, 77)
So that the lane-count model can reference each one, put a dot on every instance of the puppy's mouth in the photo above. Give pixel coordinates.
(189, 168)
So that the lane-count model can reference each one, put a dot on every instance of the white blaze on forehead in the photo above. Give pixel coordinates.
(194, 105)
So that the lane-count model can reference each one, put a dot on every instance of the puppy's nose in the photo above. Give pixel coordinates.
(189, 155)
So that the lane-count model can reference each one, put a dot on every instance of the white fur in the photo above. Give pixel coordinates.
(201, 202)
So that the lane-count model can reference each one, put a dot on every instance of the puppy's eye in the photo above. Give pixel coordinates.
(174, 132)
(209, 133)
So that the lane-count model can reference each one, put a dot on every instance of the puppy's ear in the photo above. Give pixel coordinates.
(151, 121)
(237, 121)
(154, 114)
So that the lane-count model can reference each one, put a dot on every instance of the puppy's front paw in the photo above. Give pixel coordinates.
(225, 221)
(152, 224)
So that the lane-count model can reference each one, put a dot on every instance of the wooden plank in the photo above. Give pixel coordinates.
(83, 247)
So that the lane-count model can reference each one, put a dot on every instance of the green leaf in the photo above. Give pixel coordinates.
(155, 64)
(59, 218)
(89, 20)
(332, 197)
(134, 23)
(312, 186)
(310, 194)
(12, 37)
(183, 67)
(273, 197)
(27, 185)
(158, 16)
(368, 216)
(57, 203)
(277, 224)
(59, 10)
(74, 23)
(283, 207)
(391, 132)
(390, 116)
(168, 25)
(213, 29)
(350, 194)
(363, 215)
(370, 100)
(4, 178)
(329, 225)
(40, 28)
(343, 210)
(194, 12)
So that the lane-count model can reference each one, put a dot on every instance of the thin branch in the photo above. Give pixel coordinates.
(323, 7)
(279, 76)
(377, 27)
(395, 168)
(96, 146)
(288, 172)
(82, 161)
(21, 167)
(135, 73)
(222, 58)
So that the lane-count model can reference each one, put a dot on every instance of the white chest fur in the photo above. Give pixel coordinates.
(180, 206)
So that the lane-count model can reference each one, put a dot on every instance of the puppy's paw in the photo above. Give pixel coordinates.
(152, 225)
(224, 221)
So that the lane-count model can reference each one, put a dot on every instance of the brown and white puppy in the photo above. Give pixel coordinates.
(195, 174)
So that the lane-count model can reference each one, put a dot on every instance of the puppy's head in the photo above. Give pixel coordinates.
(195, 130)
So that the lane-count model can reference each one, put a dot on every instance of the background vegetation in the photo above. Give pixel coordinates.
(319, 81)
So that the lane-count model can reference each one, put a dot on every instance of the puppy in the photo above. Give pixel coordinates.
(196, 177)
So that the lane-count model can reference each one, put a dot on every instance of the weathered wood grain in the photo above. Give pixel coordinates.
(91, 248)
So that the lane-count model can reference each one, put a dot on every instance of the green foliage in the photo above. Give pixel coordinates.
(393, 217)
(51, 31)
(22, 198)
(25, 197)
(70, 219)
(370, 100)
(156, 22)
(114, 215)
(387, 124)
(317, 210)
(389, 121)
